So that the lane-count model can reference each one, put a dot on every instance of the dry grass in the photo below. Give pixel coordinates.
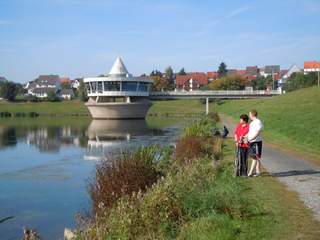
(122, 175)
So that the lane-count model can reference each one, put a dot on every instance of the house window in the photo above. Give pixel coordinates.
(129, 86)
(99, 87)
(111, 86)
(143, 87)
(93, 86)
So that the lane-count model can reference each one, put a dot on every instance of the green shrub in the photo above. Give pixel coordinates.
(20, 114)
(33, 114)
(214, 226)
(5, 114)
(200, 128)
(214, 116)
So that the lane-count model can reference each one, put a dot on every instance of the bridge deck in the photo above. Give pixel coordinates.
(214, 94)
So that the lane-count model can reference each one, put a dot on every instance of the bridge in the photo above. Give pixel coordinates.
(207, 94)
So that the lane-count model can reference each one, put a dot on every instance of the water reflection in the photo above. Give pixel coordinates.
(8, 137)
(45, 138)
(51, 139)
(107, 136)
(43, 173)
(100, 138)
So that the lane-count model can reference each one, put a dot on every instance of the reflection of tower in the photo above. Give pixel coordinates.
(107, 136)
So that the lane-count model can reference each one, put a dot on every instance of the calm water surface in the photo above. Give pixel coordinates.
(44, 169)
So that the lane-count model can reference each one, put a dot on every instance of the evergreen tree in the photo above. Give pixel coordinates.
(156, 73)
(182, 72)
(169, 76)
(222, 70)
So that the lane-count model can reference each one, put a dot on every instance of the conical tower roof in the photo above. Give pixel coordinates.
(118, 68)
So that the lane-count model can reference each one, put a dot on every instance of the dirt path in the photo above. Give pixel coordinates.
(297, 174)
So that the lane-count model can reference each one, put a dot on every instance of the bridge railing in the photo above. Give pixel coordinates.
(217, 93)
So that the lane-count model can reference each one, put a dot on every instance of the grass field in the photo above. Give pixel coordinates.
(46, 108)
(281, 214)
(291, 121)
(45, 122)
(185, 106)
(285, 216)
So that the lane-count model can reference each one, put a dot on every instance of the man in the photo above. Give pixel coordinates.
(255, 140)
(240, 137)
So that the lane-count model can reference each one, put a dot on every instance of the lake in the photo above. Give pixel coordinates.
(45, 166)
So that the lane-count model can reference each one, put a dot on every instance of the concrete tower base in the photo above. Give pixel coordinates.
(115, 110)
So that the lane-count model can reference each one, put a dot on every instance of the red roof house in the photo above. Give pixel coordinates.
(311, 66)
(241, 72)
(199, 79)
(212, 75)
(65, 80)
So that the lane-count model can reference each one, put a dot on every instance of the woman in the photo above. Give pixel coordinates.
(240, 137)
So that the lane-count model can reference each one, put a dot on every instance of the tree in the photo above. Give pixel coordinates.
(159, 83)
(169, 75)
(222, 70)
(182, 72)
(9, 90)
(65, 85)
(52, 96)
(259, 83)
(82, 93)
(301, 80)
(156, 73)
(234, 82)
(31, 98)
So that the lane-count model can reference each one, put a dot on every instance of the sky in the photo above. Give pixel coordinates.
(82, 38)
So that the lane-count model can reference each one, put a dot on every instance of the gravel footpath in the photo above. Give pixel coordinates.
(297, 174)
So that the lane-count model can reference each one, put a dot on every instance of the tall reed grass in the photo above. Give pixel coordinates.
(122, 175)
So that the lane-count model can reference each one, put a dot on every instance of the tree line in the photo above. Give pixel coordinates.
(9, 90)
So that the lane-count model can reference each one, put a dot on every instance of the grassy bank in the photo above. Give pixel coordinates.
(64, 108)
(174, 112)
(176, 107)
(291, 120)
(284, 216)
(191, 194)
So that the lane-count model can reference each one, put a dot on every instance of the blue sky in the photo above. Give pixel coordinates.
(83, 37)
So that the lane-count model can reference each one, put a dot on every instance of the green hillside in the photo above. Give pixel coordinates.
(291, 120)
(46, 108)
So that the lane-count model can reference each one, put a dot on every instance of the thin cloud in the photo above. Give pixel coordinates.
(217, 21)
(230, 15)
